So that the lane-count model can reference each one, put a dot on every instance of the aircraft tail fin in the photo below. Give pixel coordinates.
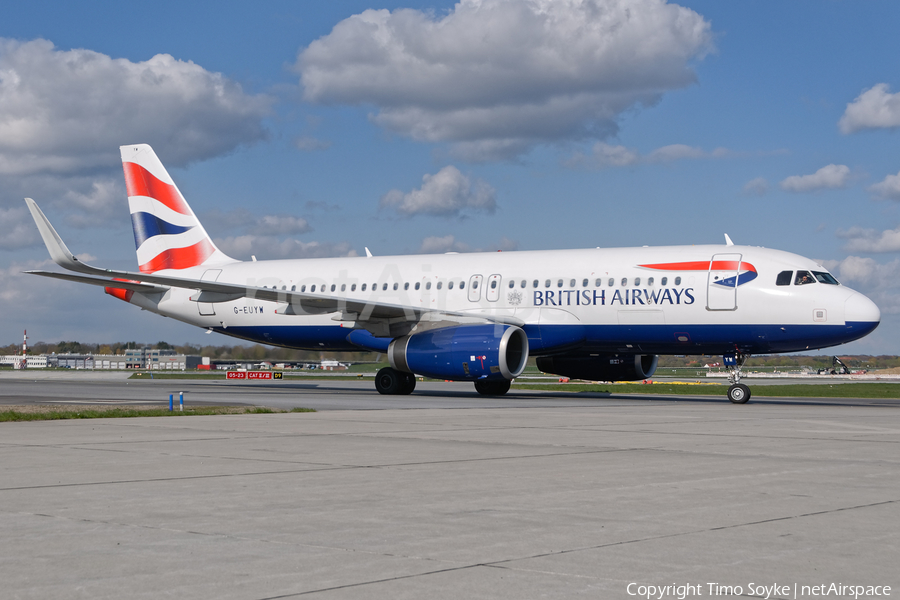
(167, 233)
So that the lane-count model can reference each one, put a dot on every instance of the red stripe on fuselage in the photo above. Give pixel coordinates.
(140, 182)
(179, 258)
(702, 265)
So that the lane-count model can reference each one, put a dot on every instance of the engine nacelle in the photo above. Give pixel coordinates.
(601, 367)
(462, 353)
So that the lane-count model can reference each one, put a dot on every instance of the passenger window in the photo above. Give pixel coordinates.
(332, 287)
(637, 281)
(343, 287)
(450, 285)
(293, 288)
(522, 284)
(803, 278)
(353, 288)
(462, 285)
(302, 288)
(611, 282)
(678, 281)
(363, 287)
(598, 282)
(428, 285)
(417, 285)
(396, 285)
(624, 281)
(494, 284)
(823, 277)
(474, 285)
(535, 284)
(547, 283)
(313, 288)
(571, 283)
(559, 283)
(649, 281)
(512, 283)
(584, 283)
(406, 286)
(664, 281)
(384, 286)
(440, 284)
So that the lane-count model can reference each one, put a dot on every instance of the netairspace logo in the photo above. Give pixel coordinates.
(774, 590)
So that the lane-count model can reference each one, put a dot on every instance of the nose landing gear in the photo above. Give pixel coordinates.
(738, 393)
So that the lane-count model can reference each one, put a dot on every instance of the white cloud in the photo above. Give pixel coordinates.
(273, 225)
(887, 188)
(875, 108)
(270, 247)
(311, 144)
(757, 187)
(447, 193)
(828, 177)
(17, 229)
(67, 111)
(605, 155)
(103, 203)
(439, 244)
(879, 281)
(448, 243)
(496, 77)
(871, 240)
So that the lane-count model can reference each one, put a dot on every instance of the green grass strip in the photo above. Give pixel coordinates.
(840, 390)
(52, 413)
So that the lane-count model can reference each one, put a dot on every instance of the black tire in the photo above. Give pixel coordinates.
(409, 383)
(389, 381)
(492, 388)
(739, 393)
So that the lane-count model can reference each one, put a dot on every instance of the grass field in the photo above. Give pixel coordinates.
(50, 413)
(812, 390)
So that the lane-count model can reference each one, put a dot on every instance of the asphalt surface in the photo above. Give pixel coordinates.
(114, 388)
(455, 496)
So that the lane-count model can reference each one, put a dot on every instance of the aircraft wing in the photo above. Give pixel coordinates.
(212, 291)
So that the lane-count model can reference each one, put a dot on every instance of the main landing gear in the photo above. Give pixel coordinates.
(738, 393)
(492, 388)
(393, 382)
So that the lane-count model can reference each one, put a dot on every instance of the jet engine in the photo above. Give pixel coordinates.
(601, 367)
(462, 353)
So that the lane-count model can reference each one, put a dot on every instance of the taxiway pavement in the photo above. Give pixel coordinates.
(452, 497)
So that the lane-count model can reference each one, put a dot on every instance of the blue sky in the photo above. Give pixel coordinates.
(315, 129)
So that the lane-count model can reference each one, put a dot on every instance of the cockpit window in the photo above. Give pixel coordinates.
(803, 278)
(823, 277)
(784, 278)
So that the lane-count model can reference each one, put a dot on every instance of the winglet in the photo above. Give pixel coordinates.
(57, 248)
(369, 254)
(728, 241)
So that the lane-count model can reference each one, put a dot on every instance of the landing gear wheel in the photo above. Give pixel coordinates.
(492, 388)
(409, 383)
(739, 393)
(389, 381)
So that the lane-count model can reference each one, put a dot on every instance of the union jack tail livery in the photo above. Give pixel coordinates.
(167, 234)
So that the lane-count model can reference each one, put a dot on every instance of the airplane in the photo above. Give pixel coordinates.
(600, 314)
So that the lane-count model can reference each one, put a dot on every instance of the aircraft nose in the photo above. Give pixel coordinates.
(859, 309)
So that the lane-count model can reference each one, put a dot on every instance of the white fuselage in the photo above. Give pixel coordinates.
(651, 299)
